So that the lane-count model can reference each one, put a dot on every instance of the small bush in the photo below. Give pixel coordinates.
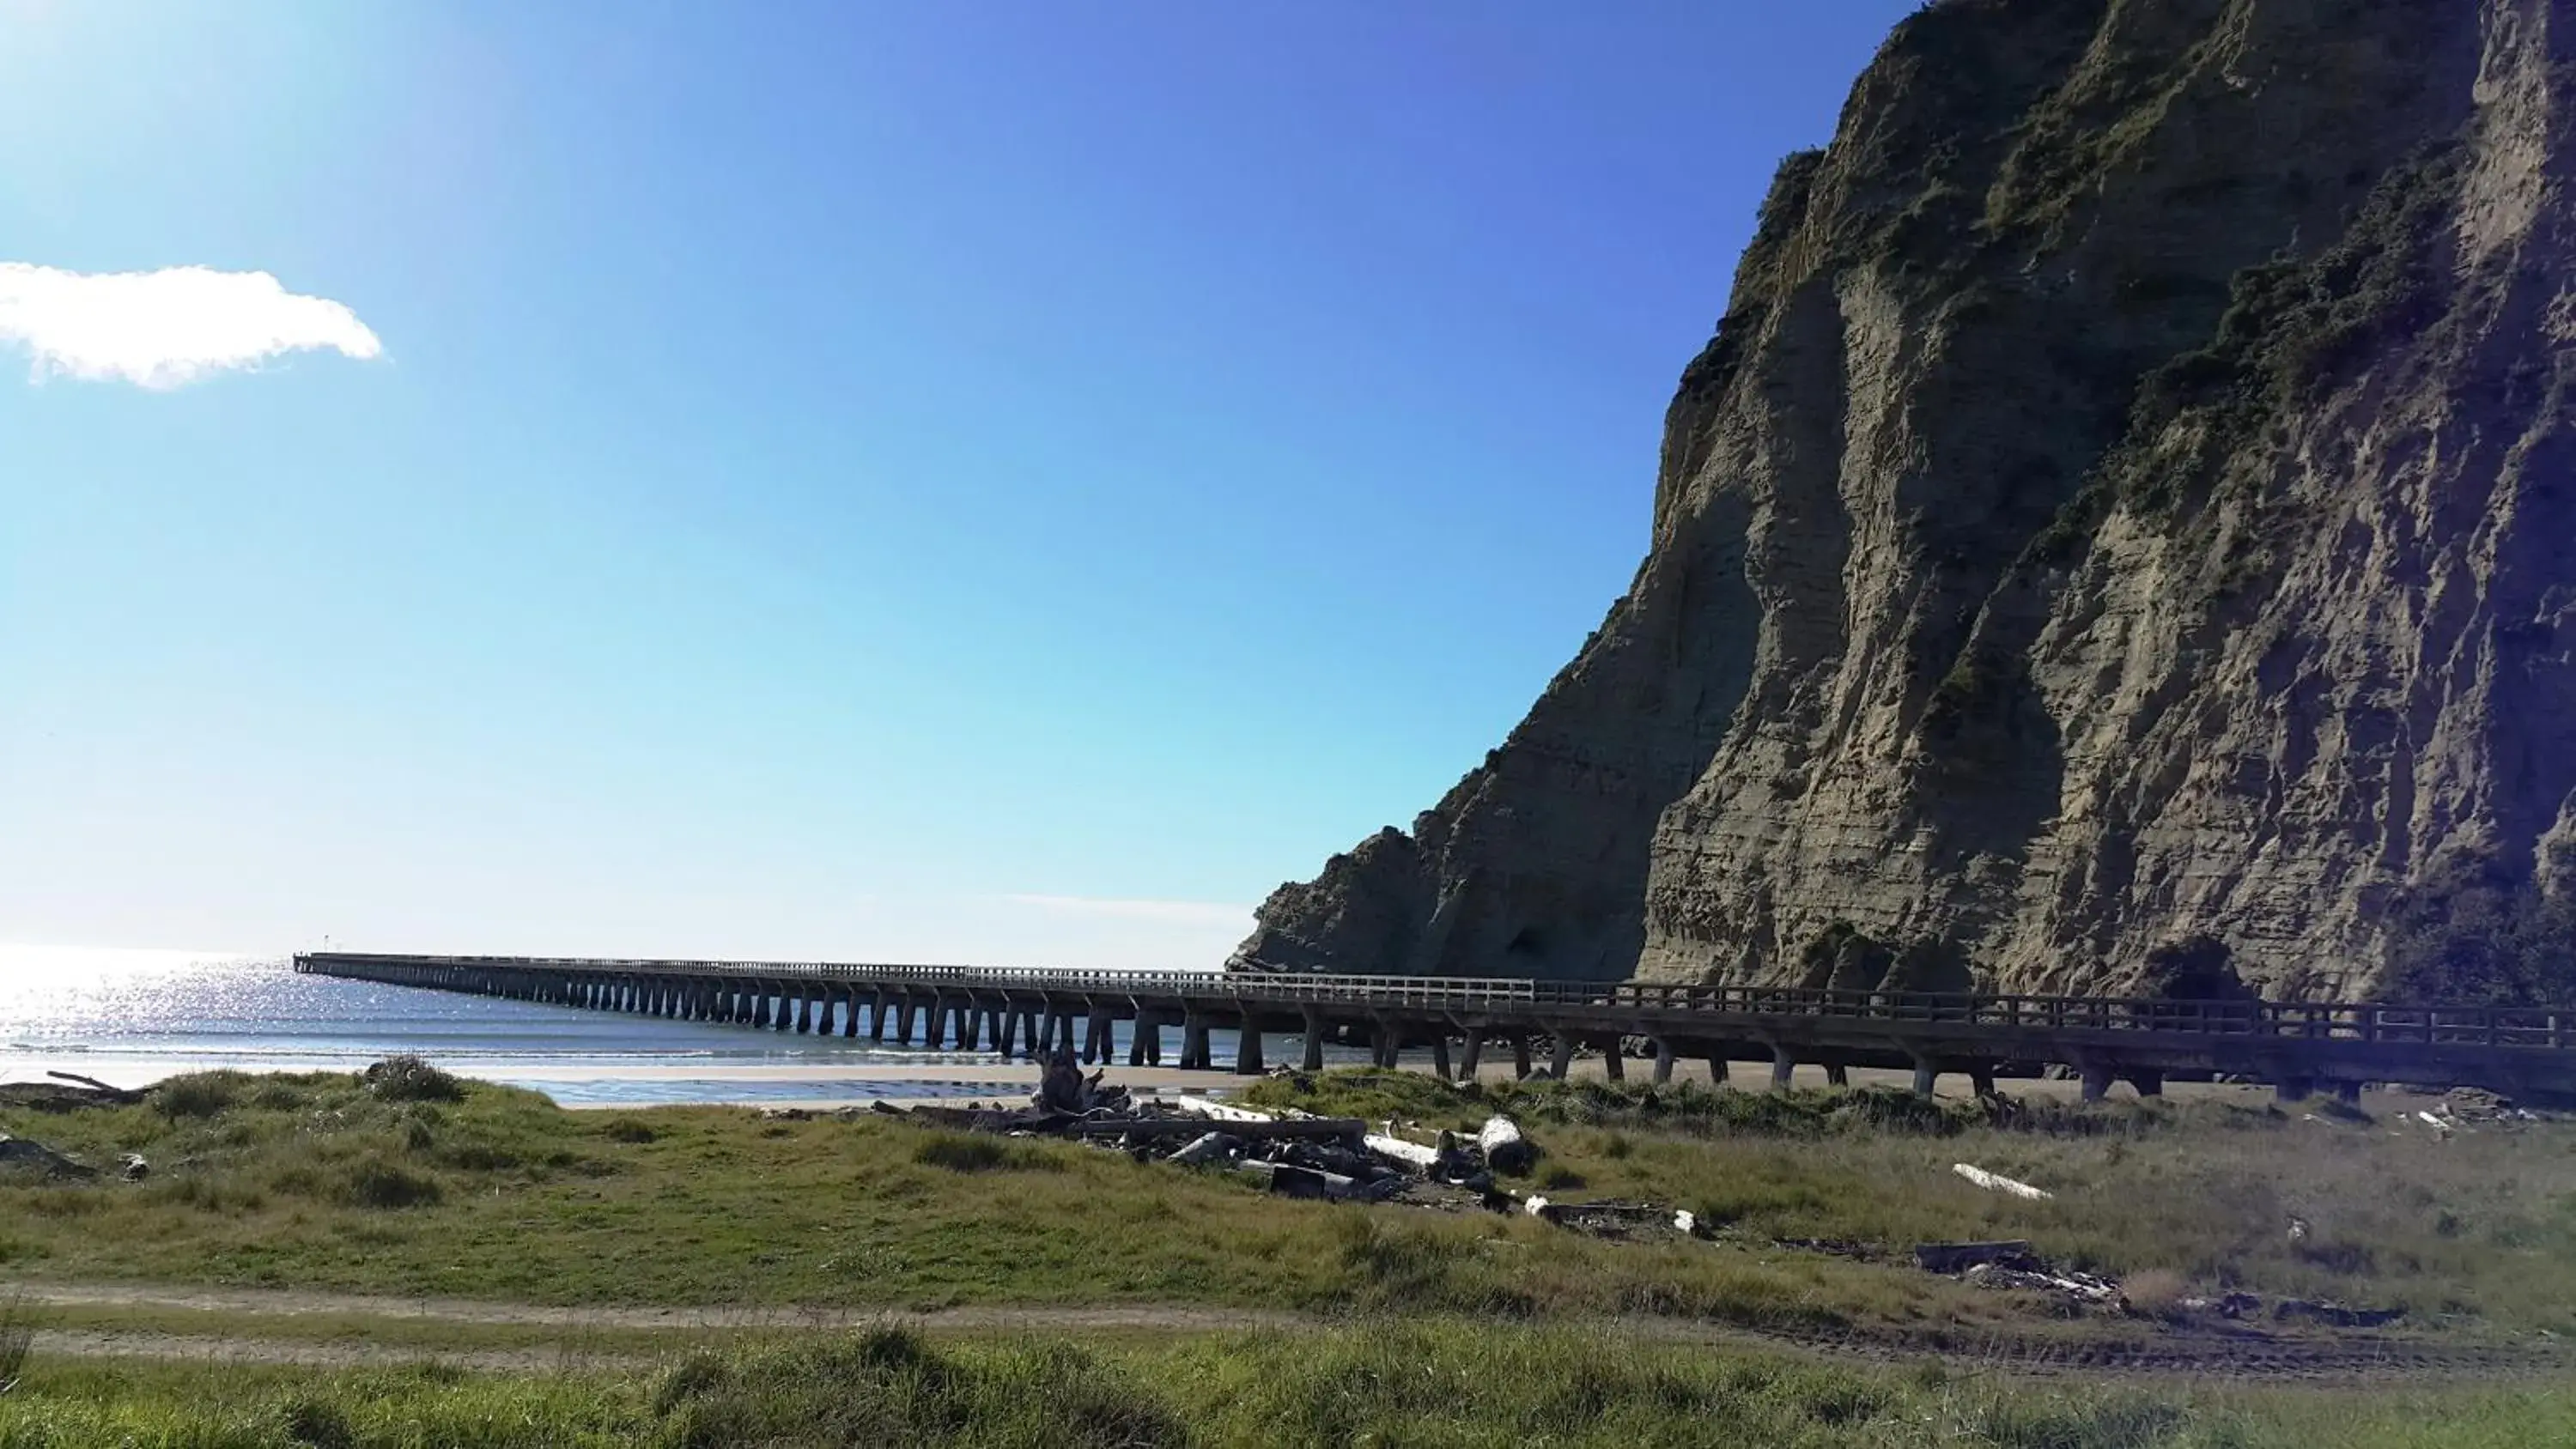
(628, 1129)
(277, 1096)
(411, 1079)
(2157, 1293)
(320, 1423)
(957, 1152)
(375, 1183)
(198, 1094)
(889, 1386)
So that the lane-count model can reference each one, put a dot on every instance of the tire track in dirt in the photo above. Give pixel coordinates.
(2243, 1356)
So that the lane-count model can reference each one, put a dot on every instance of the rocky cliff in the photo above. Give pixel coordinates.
(2130, 496)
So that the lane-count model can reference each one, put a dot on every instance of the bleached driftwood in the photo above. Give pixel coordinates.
(1215, 1111)
(1505, 1149)
(1411, 1155)
(1213, 1147)
(1997, 1182)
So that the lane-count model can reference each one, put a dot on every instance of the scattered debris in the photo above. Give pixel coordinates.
(1615, 1220)
(2337, 1314)
(2233, 1305)
(2477, 1104)
(1997, 1182)
(134, 1168)
(67, 1093)
(23, 1155)
(2034, 1275)
(1947, 1258)
(2298, 1230)
(1830, 1247)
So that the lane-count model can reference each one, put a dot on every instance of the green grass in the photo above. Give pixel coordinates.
(1454, 1385)
(2476, 1229)
(314, 1183)
(317, 1183)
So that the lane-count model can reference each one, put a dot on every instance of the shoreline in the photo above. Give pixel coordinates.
(831, 1084)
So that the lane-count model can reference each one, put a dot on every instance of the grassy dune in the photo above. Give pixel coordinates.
(1457, 1386)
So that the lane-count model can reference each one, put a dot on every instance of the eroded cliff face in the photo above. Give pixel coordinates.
(2129, 495)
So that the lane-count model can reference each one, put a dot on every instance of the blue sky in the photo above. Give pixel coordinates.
(1006, 482)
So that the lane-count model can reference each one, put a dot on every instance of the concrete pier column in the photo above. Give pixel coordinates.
(1560, 1058)
(877, 1008)
(2348, 1093)
(1784, 1064)
(760, 1005)
(1520, 1059)
(2149, 1084)
(997, 1029)
(1311, 1046)
(786, 993)
(1837, 1074)
(804, 1013)
(1470, 1054)
(1717, 1071)
(850, 1013)
(968, 1019)
(1194, 1043)
(1154, 1044)
(1614, 1060)
(1096, 1032)
(1981, 1079)
(1386, 1043)
(2097, 1083)
(1663, 1061)
(930, 1032)
(1927, 1075)
(1440, 1055)
(2293, 1089)
(1136, 1040)
(1006, 1032)
(1247, 1047)
(1029, 1019)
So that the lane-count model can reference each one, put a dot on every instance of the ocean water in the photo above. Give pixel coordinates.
(135, 1017)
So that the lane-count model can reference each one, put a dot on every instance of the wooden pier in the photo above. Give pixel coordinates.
(2298, 1047)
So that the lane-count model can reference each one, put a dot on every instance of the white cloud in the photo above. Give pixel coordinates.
(1191, 912)
(161, 329)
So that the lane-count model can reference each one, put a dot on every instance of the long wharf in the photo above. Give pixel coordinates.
(2297, 1047)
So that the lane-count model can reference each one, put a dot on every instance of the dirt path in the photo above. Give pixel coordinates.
(2249, 1355)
